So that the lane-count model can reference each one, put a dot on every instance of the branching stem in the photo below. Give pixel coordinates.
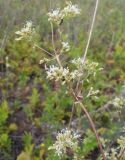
(91, 30)
(43, 49)
(76, 99)
(54, 48)
(88, 42)
(94, 130)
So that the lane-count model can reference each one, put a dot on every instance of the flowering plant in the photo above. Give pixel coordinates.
(26, 32)
(67, 139)
(72, 78)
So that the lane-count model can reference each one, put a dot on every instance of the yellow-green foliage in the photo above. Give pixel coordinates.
(24, 156)
(4, 112)
(33, 104)
(34, 98)
(4, 140)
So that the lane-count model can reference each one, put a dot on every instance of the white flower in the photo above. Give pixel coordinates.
(92, 92)
(74, 74)
(91, 67)
(26, 32)
(65, 46)
(71, 10)
(86, 68)
(58, 15)
(57, 73)
(121, 141)
(78, 62)
(44, 60)
(55, 16)
(60, 73)
(118, 102)
(64, 140)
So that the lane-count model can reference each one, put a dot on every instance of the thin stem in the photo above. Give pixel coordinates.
(91, 30)
(54, 48)
(73, 107)
(88, 42)
(94, 129)
(76, 99)
(43, 50)
(121, 153)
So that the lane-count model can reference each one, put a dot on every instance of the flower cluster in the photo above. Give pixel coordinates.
(44, 60)
(90, 67)
(112, 155)
(65, 46)
(71, 10)
(26, 32)
(58, 15)
(118, 151)
(60, 73)
(118, 102)
(121, 141)
(67, 139)
(78, 62)
(55, 16)
(92, 92)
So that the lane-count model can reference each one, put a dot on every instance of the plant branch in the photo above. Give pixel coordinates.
(90, 122)
(73, 107)
(88, 42)
(43, 49)
(91, 30)
(54, 48)
(94, 129)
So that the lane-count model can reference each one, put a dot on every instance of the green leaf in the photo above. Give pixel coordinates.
(89, 142)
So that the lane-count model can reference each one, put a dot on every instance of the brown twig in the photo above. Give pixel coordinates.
(77, 101)
(94, 130)
(73, 107)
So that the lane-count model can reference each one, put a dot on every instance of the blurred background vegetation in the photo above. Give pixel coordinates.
(31, 111)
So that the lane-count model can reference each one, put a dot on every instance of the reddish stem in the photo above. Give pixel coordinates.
(94, 130)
